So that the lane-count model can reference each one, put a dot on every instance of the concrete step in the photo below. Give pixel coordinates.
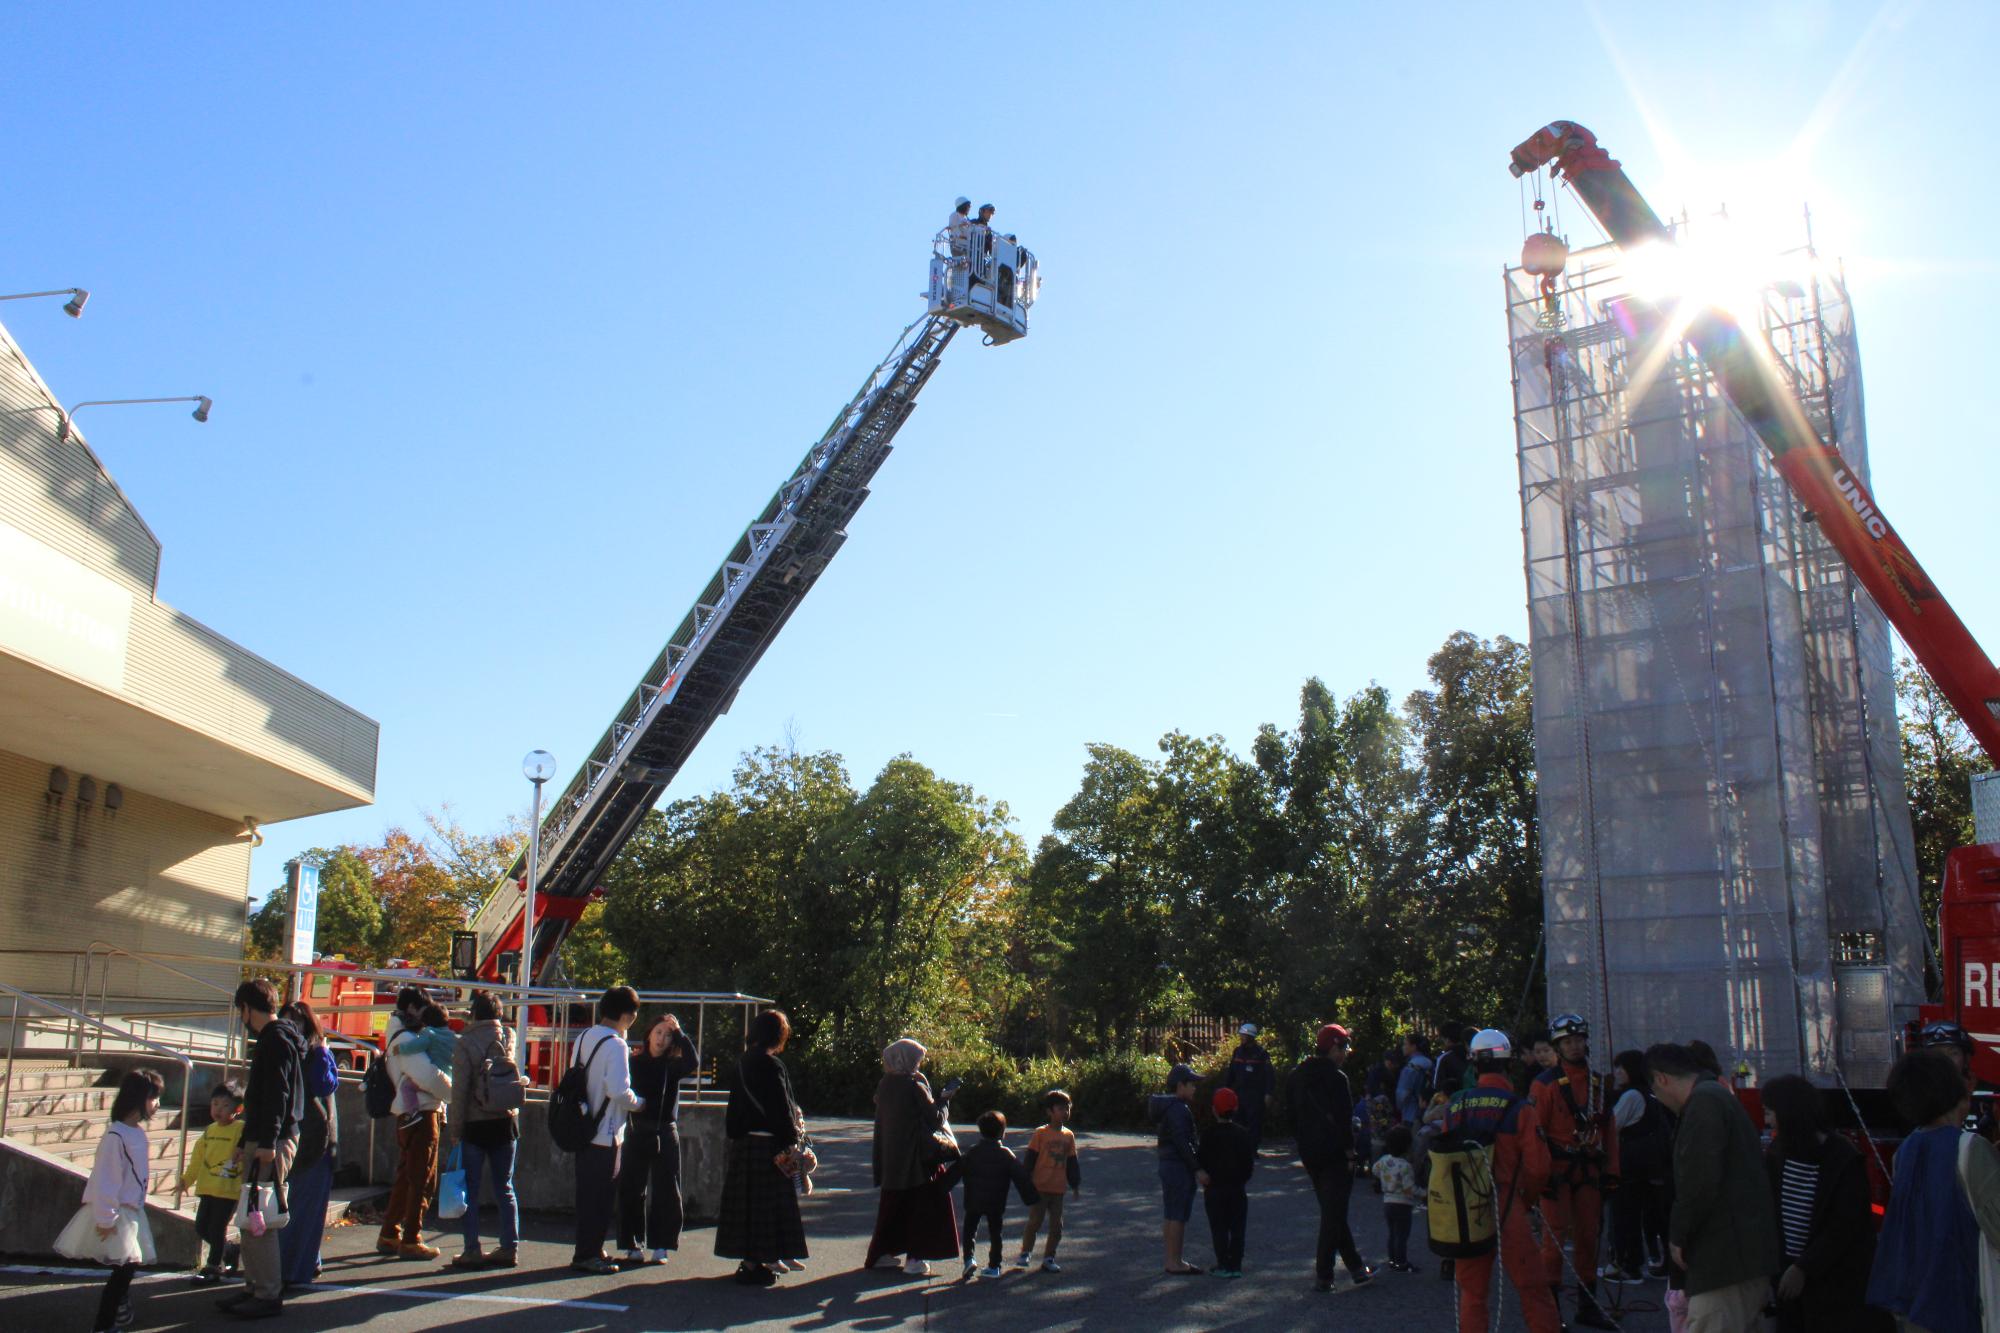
(82, 1102)
(42, 1080)
(80, 1143)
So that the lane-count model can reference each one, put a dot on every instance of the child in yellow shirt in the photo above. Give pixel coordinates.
(1052, 1168)
(215, 1173)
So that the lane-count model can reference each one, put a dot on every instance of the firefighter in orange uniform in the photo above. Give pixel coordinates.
(1491, 1113)
(1574, 1106)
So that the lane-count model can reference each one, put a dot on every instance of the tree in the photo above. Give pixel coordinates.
(348, 921)
(1940, 759)
(1479, 911)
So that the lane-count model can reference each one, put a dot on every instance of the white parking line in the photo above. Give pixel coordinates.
(546, 1302)
(543, 1302)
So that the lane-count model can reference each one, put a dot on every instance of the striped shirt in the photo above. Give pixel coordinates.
(1796, 1192)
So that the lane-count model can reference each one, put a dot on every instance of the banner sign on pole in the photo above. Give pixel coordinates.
(302, 901)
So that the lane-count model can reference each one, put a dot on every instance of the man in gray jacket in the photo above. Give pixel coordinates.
(1723, 1230)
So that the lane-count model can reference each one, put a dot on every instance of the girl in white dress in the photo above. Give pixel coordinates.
(111, 1227)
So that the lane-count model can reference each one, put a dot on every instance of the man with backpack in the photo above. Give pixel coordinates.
(1574, 1106)
(600, 1076)
(1488, 1169)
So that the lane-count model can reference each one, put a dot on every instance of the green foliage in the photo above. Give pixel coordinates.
(1940, 759)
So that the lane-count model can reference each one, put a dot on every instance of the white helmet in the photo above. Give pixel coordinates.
(1491, 1044)
(1247, 1030)
(961, 202)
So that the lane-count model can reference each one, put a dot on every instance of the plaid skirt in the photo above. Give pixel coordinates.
(760, 1207)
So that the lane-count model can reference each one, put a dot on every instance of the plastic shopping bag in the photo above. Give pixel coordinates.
(451, 1189)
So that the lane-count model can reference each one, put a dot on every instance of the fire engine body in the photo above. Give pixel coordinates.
(1854, 523)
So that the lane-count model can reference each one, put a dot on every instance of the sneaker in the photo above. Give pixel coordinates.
(505, 1257)
(991, 1270)
(1361, 1279)
(258, 1308)
(416, 1249)
(791, 1265)
(916, 1268)
(470, 1259)
(970, 1269)
(633, 1259)
(660, 1258)
(887, 1261)
(1023, 1259)
(1051, 1266)
(601, 1266)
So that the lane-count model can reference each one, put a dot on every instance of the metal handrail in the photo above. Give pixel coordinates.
(186, 1064)
(559, 1034)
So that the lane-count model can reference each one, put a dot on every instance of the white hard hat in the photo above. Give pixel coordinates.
(1491, 1044)
(961, 202)
(1247, 1030)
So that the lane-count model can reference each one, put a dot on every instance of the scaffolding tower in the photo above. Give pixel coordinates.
(1726, 847)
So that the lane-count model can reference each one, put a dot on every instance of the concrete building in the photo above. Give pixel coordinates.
(138, 747)
(1726, 841)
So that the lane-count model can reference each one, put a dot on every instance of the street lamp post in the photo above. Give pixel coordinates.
(537, 768)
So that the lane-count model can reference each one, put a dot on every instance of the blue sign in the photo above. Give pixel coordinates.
(302, 893)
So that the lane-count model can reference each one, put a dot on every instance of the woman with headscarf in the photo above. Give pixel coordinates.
(911, 1157)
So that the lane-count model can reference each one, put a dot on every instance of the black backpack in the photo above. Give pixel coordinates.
(572, 1124)
(378, 1090)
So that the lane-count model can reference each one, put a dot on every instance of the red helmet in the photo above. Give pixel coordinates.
(1224, 1101)
(1331, 1033)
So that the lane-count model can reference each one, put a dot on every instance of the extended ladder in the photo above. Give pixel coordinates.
(695, 678)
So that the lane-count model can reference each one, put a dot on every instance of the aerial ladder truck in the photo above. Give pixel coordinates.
(1858, 529)
(980, 280)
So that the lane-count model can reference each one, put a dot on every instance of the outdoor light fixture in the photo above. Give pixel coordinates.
(73, 307)
(538, 767)
(201, 400)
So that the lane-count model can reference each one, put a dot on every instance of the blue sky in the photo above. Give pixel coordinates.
(514, 315)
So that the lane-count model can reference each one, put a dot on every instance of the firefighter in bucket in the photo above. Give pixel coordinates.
(1488, 1169)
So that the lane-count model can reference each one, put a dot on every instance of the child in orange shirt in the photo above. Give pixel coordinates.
(1051, 1164)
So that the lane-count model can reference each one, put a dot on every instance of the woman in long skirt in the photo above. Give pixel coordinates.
(915, 1216)
(767, 1163)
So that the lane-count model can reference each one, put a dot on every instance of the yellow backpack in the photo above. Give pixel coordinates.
(1464, 1220)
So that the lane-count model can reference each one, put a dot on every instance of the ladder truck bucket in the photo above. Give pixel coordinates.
(990, 285)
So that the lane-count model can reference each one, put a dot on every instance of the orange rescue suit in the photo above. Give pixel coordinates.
(1581, 1156)
(1520, 1173)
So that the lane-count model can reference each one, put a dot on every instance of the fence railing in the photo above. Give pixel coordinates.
(35, 1002)
(213, 1036)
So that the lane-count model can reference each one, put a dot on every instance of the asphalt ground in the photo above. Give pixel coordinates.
(1111, 1258)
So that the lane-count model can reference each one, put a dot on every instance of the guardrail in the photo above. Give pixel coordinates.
(91, 985)
(187, 1065)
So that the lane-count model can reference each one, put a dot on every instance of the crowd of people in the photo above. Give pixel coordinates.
(1511, 1148)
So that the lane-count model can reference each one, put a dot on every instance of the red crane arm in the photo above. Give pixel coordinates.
(1853, 522)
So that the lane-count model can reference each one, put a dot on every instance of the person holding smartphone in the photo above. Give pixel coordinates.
(913, 1153)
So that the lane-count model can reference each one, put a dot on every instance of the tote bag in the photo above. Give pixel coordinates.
(451, 1188)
